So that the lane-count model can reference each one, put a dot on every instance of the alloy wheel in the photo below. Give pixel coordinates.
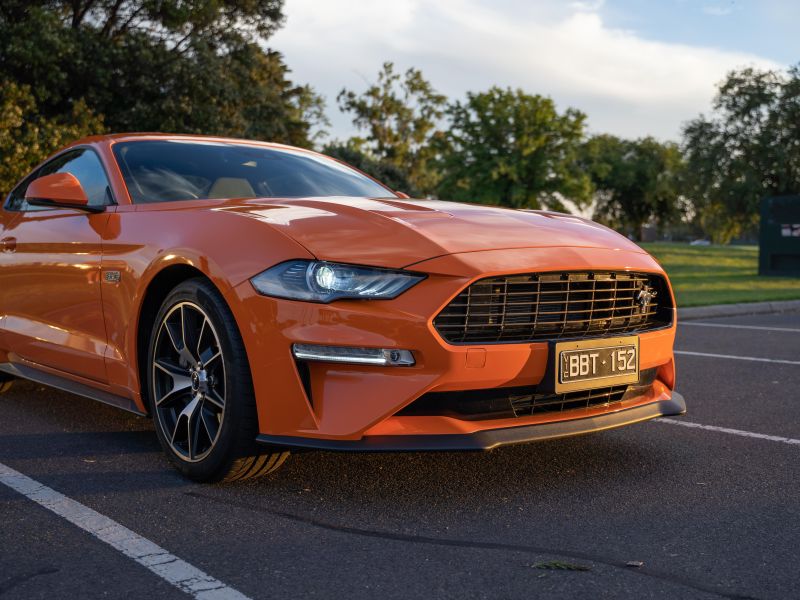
(189, 387)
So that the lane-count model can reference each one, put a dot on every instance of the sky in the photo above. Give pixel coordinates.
(635, 67)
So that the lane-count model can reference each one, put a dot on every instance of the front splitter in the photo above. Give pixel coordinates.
(488, 439)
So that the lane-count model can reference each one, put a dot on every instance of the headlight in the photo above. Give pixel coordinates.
(318, 281)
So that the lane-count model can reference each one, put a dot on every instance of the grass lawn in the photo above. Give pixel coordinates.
(720, 275)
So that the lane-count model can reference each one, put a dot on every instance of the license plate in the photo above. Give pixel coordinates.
(596, 363)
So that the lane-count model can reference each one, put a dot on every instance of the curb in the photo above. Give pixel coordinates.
(733, 310)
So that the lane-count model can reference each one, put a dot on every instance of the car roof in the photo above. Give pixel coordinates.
(138, 136)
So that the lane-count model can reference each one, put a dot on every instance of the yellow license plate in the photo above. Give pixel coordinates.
(588, 364)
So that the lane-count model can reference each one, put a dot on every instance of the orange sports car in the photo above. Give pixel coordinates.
(253, 298)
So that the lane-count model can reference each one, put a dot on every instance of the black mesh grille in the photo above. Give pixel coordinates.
(545, 306)
(510, 402)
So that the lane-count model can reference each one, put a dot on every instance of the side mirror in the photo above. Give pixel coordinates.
(403, 195)
(59, 190)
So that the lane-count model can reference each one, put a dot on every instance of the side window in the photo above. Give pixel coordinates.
(16, 200)
(83, 164)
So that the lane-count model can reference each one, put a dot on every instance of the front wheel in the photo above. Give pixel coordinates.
(200, 389)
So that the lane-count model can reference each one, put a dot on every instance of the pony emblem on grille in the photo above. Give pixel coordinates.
(645, 296)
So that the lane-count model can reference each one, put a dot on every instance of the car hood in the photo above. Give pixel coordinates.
(399, 233)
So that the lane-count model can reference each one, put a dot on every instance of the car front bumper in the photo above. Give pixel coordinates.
(355, 407)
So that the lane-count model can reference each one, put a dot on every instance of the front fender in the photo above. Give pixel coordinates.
(141, 243)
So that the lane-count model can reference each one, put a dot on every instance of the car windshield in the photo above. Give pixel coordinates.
(165, 170)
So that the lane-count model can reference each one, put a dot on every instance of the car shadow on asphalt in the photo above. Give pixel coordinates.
(445, 480)
(57, 424)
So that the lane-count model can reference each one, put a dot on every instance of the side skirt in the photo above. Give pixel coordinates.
(24, 371)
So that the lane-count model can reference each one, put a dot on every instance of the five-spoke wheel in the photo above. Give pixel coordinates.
(189, 381)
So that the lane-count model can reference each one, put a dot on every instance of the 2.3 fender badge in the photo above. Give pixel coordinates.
(112, 276)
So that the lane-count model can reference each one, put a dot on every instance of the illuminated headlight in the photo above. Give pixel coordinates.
(318, 281)
(361, 356)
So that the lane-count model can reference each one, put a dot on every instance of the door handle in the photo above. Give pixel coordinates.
(8, 244)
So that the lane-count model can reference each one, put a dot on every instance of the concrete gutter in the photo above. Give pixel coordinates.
(733, 310)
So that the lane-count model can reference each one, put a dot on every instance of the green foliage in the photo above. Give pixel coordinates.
(383, 171)
(507, 147)
(703, 275)
(26, 137)
(169, 20)
(399, 114)
(157, 65)
(635, 180)
(747, 149)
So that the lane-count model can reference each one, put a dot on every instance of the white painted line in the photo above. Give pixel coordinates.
(750, 434)
(179, 573)
(730, 326)
(731, 356)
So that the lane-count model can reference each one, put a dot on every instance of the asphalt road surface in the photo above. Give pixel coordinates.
(709, 512)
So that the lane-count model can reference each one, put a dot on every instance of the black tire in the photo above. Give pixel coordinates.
(216, 410)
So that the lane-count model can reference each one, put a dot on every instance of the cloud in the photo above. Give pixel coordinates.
(718, 10)
(627, 85)
(587, 5)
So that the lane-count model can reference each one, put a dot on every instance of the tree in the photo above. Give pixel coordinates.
(26, 137)
(748, 148)
(507, 147)
(173, 21)
(635, 180)
(170, 65)
(399, 114)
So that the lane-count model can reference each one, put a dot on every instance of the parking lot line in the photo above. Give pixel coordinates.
(179, 573)
(731, 326)
(750, 434)
(734, 357)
